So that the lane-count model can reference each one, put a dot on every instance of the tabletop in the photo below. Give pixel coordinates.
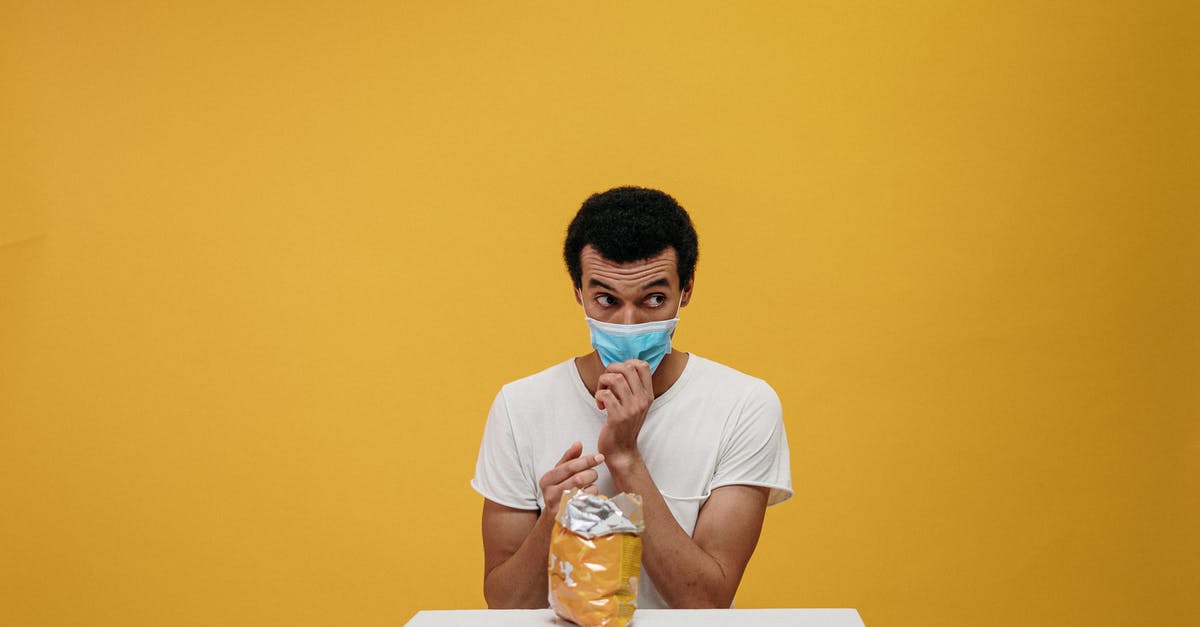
(648, 618)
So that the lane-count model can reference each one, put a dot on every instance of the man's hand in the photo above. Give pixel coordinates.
(516, 542)
(571, 471)
(625, 391)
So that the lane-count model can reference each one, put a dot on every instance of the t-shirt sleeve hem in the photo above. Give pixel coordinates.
(507, 502)
(779, 493)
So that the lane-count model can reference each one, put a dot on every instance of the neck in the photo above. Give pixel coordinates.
(590, 368)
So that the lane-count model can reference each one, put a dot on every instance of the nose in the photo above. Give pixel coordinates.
(627, 315)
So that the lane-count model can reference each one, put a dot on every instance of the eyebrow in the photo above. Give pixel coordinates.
(655, 283)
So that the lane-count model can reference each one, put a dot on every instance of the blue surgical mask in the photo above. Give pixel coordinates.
(648, 341)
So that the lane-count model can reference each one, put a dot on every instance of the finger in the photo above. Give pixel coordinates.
(580, 479)
(573, 451)
(605, 398)
(617, 382)
(637, 375)
(646, 377)
(607, 379)
(593, 490)
(561, 472)
(583, 463)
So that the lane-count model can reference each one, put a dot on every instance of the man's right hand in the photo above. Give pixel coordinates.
(516, 542)
(573, 470)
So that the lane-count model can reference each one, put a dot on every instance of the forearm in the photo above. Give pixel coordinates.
(683, 573)
(520, 582)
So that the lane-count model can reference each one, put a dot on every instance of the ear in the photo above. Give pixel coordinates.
(687, 292)
(576, 291)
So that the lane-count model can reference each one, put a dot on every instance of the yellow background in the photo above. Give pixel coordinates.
(264, 265)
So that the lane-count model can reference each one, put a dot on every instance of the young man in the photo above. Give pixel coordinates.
(703, 444)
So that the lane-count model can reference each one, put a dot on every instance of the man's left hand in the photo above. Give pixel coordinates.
(625, 390)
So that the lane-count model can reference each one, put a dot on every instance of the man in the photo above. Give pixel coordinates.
(703, 444)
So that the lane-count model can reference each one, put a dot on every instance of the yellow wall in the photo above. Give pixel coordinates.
(264, 265)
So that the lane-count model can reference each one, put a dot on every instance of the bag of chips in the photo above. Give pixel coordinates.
(596, 558)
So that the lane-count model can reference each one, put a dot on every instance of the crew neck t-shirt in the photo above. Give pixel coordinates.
(714, 427)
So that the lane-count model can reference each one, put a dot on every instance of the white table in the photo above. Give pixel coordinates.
(647, 618)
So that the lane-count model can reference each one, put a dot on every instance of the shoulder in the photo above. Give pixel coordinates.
(554, 378)
(712, 375)
(554, 389)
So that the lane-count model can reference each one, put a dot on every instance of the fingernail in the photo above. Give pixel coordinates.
(599, 457)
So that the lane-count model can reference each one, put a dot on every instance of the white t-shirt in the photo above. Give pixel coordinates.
(714, 427)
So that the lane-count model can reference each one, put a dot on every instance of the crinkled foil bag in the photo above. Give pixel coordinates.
(596, 558)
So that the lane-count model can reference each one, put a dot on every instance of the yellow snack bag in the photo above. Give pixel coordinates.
(596, 558)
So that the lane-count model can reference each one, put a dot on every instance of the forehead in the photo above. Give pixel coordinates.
(629, 275)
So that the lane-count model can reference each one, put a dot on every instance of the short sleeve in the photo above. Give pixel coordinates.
(755, 450)
(499, 474)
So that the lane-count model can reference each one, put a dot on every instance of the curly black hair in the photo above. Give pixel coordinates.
(631, 224)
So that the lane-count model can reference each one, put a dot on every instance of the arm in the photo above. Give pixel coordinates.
(702, 570)
(516, 542)
(515, 545)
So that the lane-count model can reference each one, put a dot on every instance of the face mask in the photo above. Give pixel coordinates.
(648, 341)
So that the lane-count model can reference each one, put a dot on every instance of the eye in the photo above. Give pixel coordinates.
(656, 300)
(605, 300)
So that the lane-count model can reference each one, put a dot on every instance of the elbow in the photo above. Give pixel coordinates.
(496, 600)
(708, 602)
(510, 599)
(718, 601)
(703, 603)
(712, 590)
(699, 597)
(515, 604)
